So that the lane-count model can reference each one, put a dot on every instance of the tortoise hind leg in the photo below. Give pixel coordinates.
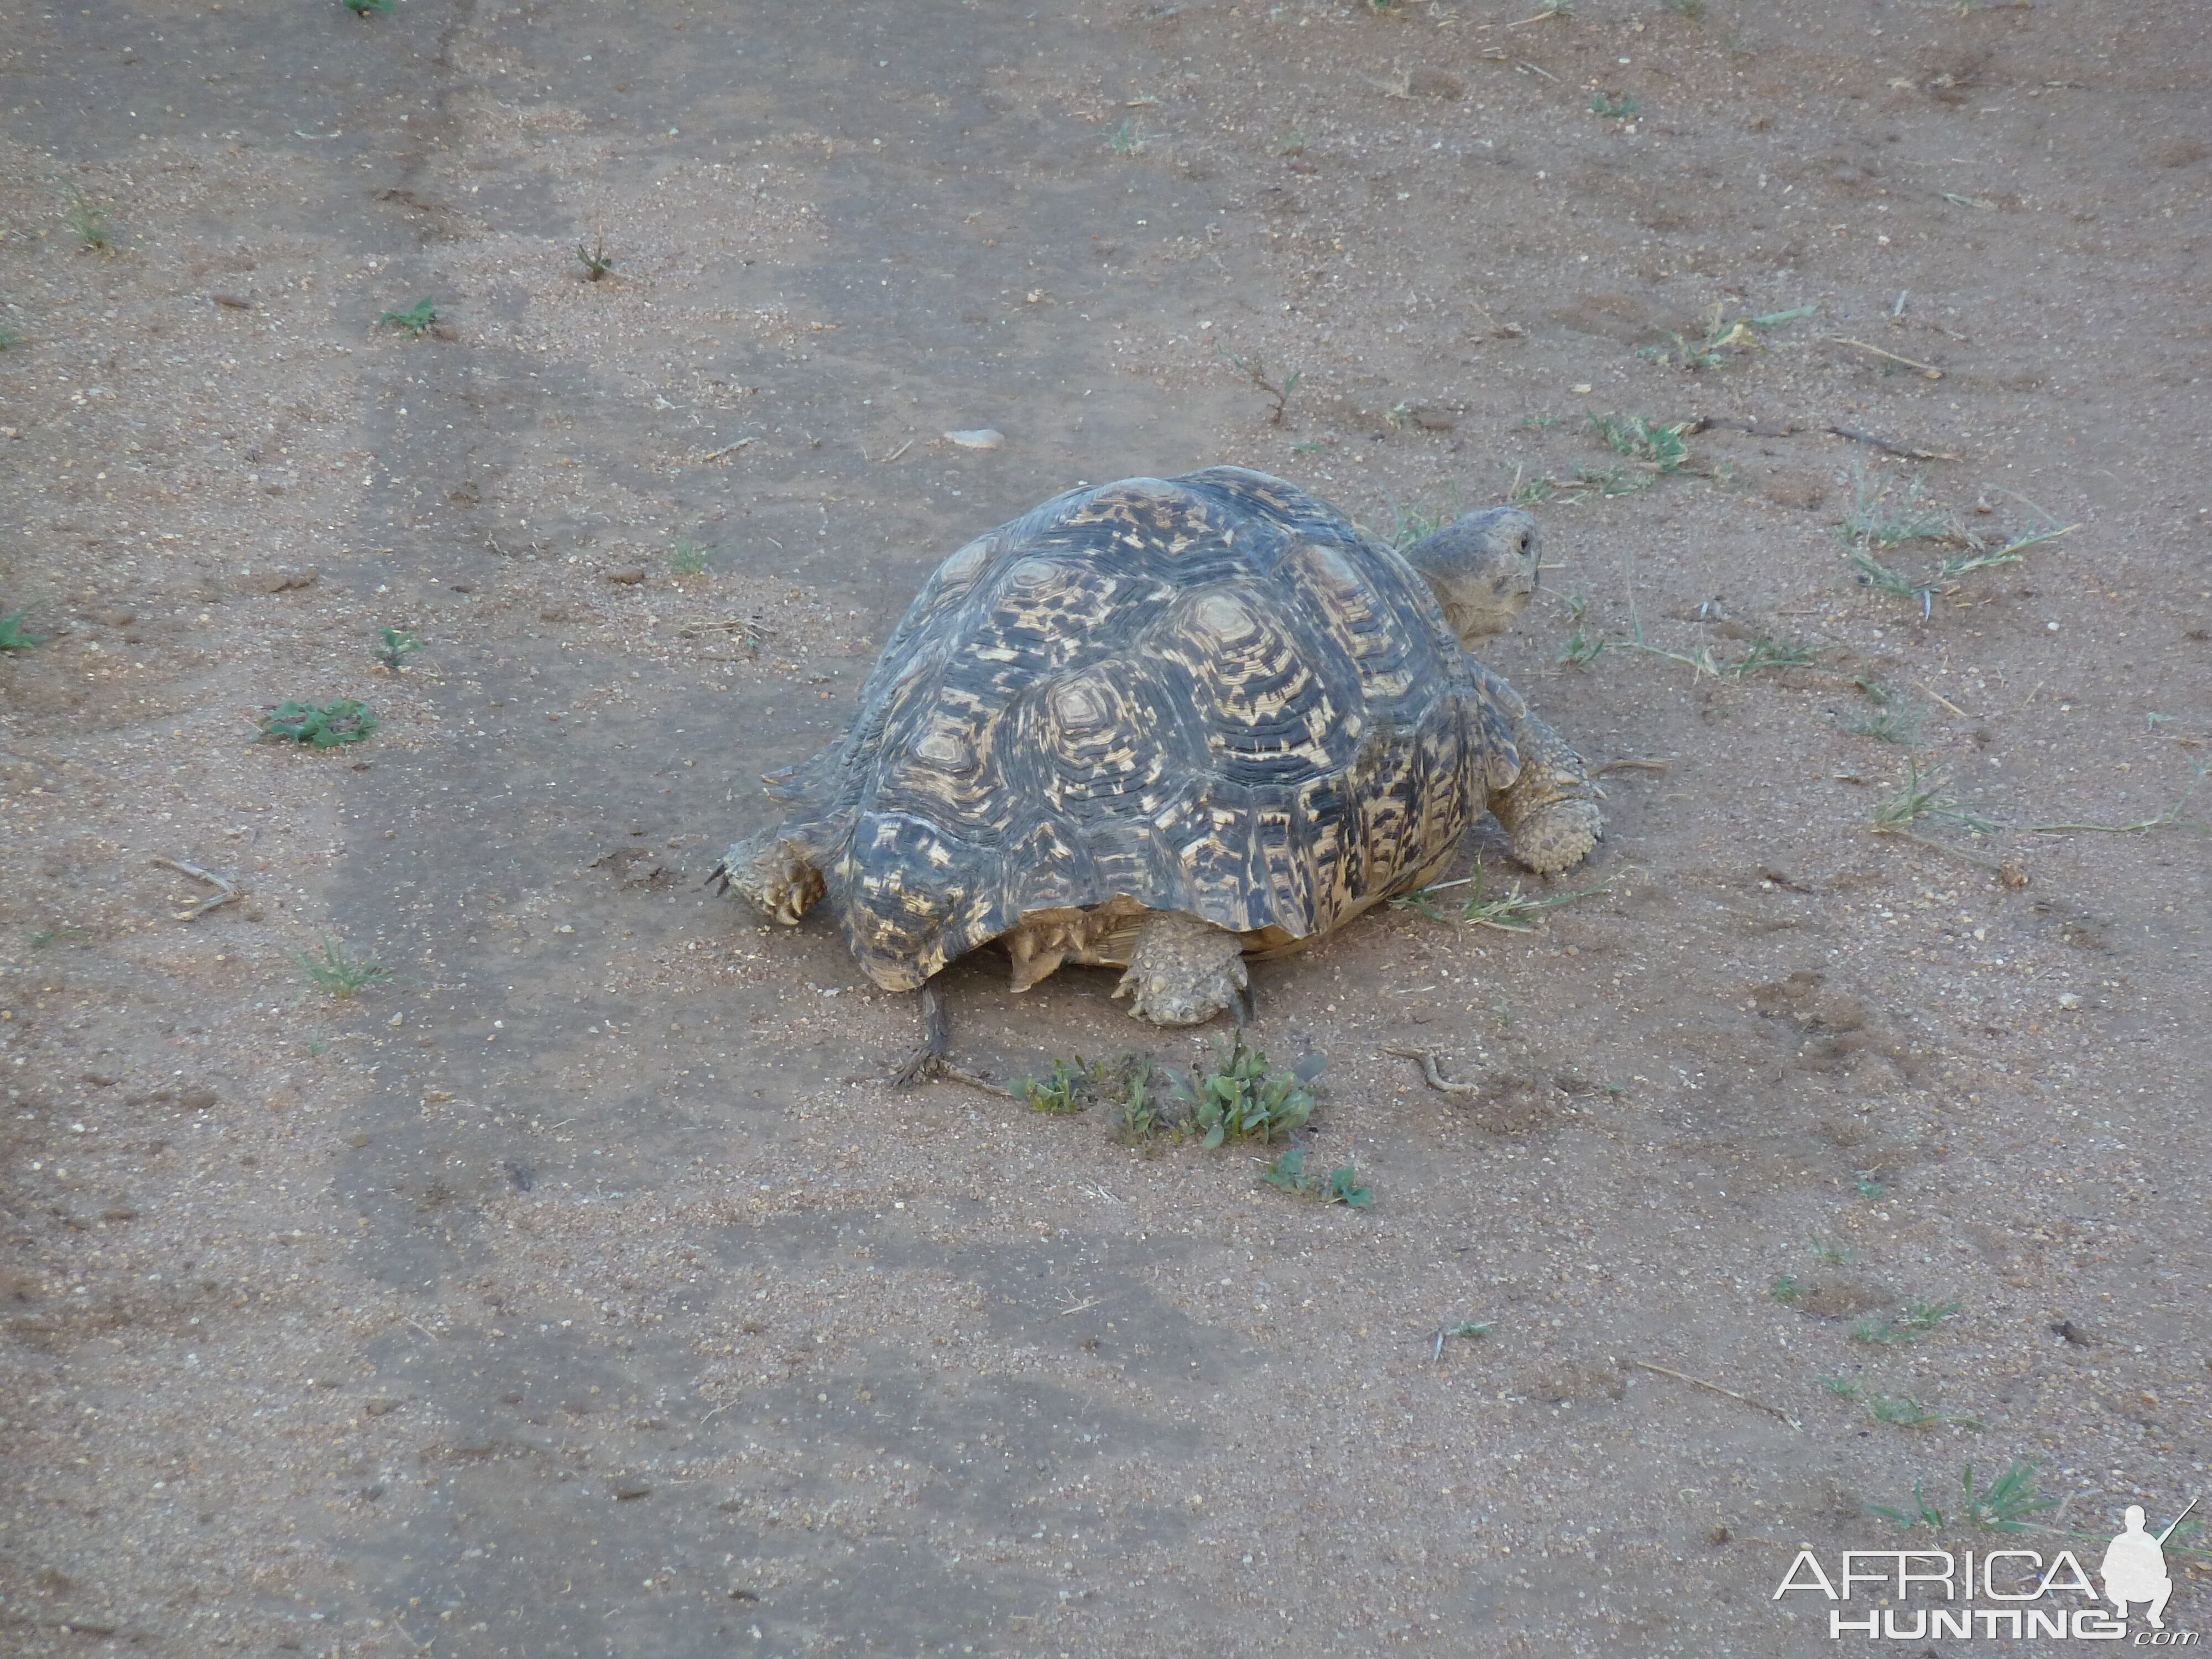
(929, 1061)
(1183, 970)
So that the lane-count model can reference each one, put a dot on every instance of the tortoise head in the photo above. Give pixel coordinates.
(1482, 569)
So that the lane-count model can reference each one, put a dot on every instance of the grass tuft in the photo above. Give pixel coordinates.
(597, 263)
(1918, 1319)
(1923, 798)
(1894, 718)
(1510, 913)
(95, 231)
(1662, 449)
(2008, 1504)
(340, 973)
(14, 636)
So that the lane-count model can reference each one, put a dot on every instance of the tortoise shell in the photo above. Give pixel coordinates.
(1210, 694)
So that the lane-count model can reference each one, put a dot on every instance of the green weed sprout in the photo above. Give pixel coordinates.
(325, 727)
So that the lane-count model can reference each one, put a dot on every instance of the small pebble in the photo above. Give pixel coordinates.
(981, 437)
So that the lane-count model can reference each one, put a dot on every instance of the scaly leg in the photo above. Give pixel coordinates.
(928, 1062)
(1551, 809)
(1183, 970)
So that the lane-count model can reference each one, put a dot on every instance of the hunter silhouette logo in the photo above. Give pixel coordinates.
(1913, 1595)
(2135, 1566)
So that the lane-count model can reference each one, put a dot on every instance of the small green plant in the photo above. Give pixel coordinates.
(340, 974)
(597, 263)
(14, 636)
(1834, 1255)
(1409, 524)
(1471, 1328)
(1658, 449)
(363, 7)
(1917, 1320)
(42, 937)
(417, 321)
(1255, 370)
(1867, 1187)
(394, 645)
(1923, 798)
(1901, 1413)
(1724, 341)
(1128, 139)
(688, 558)
(96, 232)
(1140, 1117)
(1692, 9)
(1071, 1087)
(1291, 143)
(1893, 717)
(1843, 1388)
(1580, 650)
(1510, 913)
(1622, 108)
(2009, 1503)
(325, 727)
(1341, 1186)
(1075, 1086)
(9, 339)
(1241, 1096)
(1786, 1287)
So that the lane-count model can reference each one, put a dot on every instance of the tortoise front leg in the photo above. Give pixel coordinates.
(1550, 808)
(777, 873)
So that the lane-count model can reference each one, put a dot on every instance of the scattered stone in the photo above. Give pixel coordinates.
(197, 1100)
(380, 1406)
(627, 1490)
(981, 437)
(627, 578)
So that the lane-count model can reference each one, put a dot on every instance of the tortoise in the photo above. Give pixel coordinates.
(1169, 724)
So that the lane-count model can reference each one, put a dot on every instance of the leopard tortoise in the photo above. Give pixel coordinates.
(1167, 724)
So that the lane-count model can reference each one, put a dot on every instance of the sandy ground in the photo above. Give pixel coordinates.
(580, 1288)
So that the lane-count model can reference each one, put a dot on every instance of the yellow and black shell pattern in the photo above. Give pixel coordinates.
(1209, 694)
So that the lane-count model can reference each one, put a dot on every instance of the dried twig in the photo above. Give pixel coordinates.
(1889, 448)
(726, 449)
(1929, 370)
(1632, 766)
(1436, 1079)
(1699, 1381)
(1940, 698)
(228, 889)
(2169, 817)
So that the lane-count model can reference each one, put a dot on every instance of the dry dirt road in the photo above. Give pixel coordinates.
(580, 1289)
